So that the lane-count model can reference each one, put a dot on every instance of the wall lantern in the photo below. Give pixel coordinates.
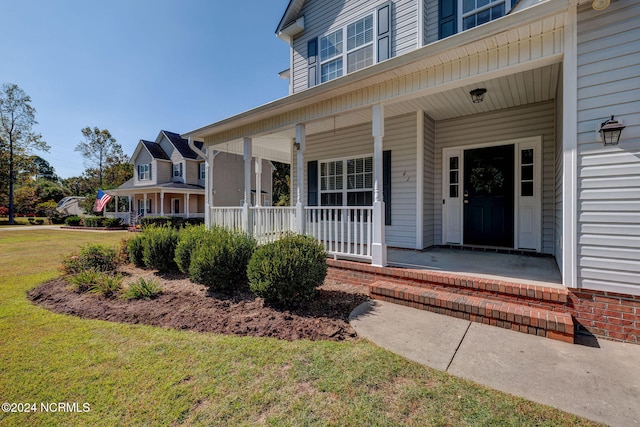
(477, 95)
(610, 131)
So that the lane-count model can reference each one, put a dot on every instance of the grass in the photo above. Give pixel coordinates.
(4, 221)
(142, 375)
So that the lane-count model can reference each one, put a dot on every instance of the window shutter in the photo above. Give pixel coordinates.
(138, 172)
(384, 32)
(312, 183)
(447, 18)
(150, 176)
(312, 62)
(386, 185)
(181, 169)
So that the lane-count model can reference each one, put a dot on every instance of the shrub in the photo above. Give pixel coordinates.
(39, 221)
(159, 245)
(288, 270)
(143, 289)
(112, 222)
(56, 218)
(135, 249)
(158, 221)
(91, 257)
(93, 221)
(72, 221)
(122, 253)
(220, 261)
(188, 239)
(84, 280)
(192, 221)
(107, 285)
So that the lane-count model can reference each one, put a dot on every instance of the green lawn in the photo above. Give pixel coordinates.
(141, 375)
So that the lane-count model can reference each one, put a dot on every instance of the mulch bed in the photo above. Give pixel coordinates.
(188, 306)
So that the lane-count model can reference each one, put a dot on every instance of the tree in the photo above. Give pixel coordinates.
(281, 184)
(43, 169)
(97, 148)
(17, 138)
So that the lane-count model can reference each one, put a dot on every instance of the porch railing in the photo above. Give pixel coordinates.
(344, 231)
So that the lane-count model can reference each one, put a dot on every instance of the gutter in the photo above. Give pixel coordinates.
(195, 149)
(333, 87)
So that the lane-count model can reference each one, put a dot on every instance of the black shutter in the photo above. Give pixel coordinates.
(150, 176)
(312, 58)
(386, 185)
(312, 183)
(447, 18)
(384, 32)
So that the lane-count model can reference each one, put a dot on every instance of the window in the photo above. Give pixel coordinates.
(353, 188)
(359, 52)
(202, 167)
(177, 169)
(144, 172)
(454, 177)
(526, 172)
(478, 12)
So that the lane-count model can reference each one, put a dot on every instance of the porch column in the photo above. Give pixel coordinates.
(300, 145)
(247, 184)
(116, 206)
(207, 187)
(144, 205)
(186, 205)
(378, 246)
(161, 203)
(258, 167)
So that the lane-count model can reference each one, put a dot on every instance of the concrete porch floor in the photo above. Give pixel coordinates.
(541, 271)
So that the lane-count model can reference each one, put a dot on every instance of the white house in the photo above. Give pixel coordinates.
(420, 123)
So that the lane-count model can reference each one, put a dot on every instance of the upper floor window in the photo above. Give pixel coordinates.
(177, 170)
(144, 172)
(202, 170)
(478, 12)
(331, 56)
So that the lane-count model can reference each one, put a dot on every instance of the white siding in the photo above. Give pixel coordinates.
(609, 177)
(323, 17)
(429, 182)
(528, 121)
(400, 138)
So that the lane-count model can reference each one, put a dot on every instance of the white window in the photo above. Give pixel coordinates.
(177, 169)
(478, 12)
(144, 172)
(202, 170)
(347, 182)
(359, 52)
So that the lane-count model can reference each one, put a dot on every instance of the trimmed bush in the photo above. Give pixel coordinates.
(93, 221)
(159, 245)
(220, 260)
(158, 221)
(192, 221)
(91, 257)
(288, 270)
(72, 221)
(39, 221)
(112, 222)
(188, 239)
(135, 249)
(143, 288)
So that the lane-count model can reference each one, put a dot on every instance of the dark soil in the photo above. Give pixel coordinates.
(188, 306)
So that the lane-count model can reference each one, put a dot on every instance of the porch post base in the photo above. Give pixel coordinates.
(299, 225)
(379, 254)
(378, 246)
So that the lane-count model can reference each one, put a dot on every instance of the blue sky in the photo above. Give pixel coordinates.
(135, 67)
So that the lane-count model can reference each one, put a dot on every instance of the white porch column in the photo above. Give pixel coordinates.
(378, 246)
(116, 205)
(258, 167)
(161, 203)
(208, 177)
(144, 204)
(247, 184)
(301, 144)
(186, 205)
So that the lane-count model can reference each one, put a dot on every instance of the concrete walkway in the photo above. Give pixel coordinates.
(599, 382)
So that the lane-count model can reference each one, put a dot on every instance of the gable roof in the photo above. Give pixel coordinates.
(182, 145)
(290, 14)
(155, 150)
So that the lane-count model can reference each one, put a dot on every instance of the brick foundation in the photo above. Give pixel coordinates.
(605, 315)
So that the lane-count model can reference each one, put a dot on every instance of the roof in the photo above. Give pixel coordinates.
(155, 150)
(182, 145)
(290, 14)
(129, 185)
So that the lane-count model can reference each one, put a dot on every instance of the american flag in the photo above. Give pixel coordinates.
(101, 201)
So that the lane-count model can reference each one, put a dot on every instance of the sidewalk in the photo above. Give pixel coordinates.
(599, 383)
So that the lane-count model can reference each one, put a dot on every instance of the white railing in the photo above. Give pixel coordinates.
(125, 217)
(270, 223)
(344, 231)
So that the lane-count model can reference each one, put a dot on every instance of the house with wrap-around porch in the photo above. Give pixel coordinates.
(460, 124)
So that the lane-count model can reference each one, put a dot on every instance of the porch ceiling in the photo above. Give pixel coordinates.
(513, 90)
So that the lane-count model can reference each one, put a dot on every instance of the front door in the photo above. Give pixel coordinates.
(488, 196)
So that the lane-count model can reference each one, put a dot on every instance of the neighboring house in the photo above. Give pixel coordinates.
(70, 206)
(169, 180)
(413, 124)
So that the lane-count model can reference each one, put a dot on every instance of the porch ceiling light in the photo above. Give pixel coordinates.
(600, 4)
(610, 131)
(477, 95)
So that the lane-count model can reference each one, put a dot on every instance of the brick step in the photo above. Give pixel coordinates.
(555, 324)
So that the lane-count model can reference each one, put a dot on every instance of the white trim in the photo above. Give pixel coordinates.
(345, 190)
(420, 180)
(492, 3)
(569, 152)
(520, 143)
(533, 203)
(420, 32)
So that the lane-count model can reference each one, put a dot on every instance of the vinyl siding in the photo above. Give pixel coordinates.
(191, 172)
(323, 17)
(143, 158)
(559, 174)
(609, 177)
(400, 138)
(429, 182)
(162, 171)
(504, 125)
(431, 21)
(228, 179)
